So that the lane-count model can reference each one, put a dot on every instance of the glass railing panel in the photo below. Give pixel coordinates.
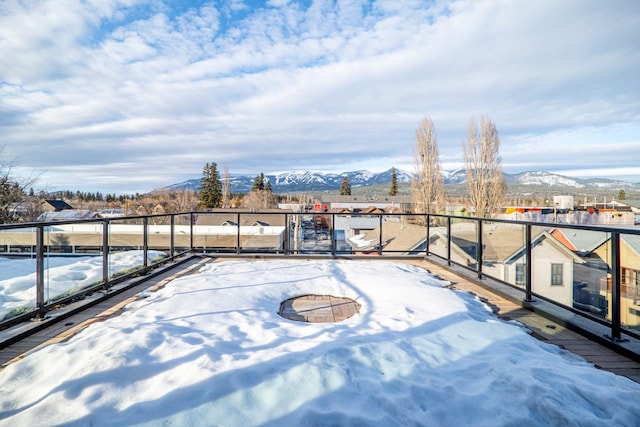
(159, 237)
(570, 267)
(72, 259)
(17, 272)
(182, 233)
(630, 281)
(311, 234)
(504, 252)
(126, 246)
(401, 235)
(215, 232)
(464, 242)
(355, 233)
(263, 232)
(316, 234)
(438, 234)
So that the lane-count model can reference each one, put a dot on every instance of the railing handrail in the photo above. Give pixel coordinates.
(591, 227)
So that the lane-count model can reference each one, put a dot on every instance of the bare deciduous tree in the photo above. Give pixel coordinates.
(427, 184)
(182, 201)
(259, 199)
(485, 181)
(226, 187)
(12, 192)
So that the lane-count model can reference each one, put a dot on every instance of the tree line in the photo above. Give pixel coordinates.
(215, 192)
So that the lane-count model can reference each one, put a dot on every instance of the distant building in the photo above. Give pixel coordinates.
(593, 276)
(68, 214)
(396, 204)
(55, 205)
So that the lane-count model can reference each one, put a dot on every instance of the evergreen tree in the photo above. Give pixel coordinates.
(258, 182)
(210, 194)
(345, 187)
(267, 187)
(622, 195)
(393, 191)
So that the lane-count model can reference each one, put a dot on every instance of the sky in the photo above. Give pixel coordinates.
(124, 96)
(210, 349)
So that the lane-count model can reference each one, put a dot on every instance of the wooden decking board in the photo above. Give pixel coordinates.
(626, 372)
(571, 341)
(617, 364)
(318, 308)
(605, 358)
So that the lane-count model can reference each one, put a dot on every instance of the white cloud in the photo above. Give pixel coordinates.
(313, 87)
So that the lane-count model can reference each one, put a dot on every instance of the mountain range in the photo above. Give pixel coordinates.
(306, 181)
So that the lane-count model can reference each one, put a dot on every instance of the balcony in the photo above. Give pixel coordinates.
(586, 277)
(192, 322)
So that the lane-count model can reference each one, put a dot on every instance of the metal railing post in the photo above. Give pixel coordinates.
(448, 240)
(380, 235)
(428, 220)
(287, 234)
(333, 232)
(145, 240)
(479, 249)
(40, 271)
(615, 287)
(105, 254)
(238, 235)
(191, 221)
(528, 265)
(172, 238)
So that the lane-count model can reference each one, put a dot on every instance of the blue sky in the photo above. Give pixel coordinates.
(128, 96)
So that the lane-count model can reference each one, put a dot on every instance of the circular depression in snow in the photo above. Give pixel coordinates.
(318, 308)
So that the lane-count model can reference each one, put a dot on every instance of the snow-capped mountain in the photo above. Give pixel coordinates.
(544, 178)
(302, 181)
(548, 179)
(458, 176)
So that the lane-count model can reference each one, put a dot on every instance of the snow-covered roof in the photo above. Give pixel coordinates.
(356, 222)
(68, 214)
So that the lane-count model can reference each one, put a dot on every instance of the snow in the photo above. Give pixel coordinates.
(210, 349)
(62, 275)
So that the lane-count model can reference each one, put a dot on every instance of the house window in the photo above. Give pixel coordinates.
(520, 274)
(556, 275)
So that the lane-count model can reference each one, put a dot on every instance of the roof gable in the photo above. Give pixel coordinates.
(582, 241)
(58, 204)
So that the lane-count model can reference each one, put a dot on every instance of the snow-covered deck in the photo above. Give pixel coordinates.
(379, 341)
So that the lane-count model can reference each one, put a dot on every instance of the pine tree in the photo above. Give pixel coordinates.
(393, 191)
(268, 187)
(258, 182)
(210, 194)
(345, 187)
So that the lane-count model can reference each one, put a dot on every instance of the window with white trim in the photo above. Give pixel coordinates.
(556, 275)
(520, 274)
